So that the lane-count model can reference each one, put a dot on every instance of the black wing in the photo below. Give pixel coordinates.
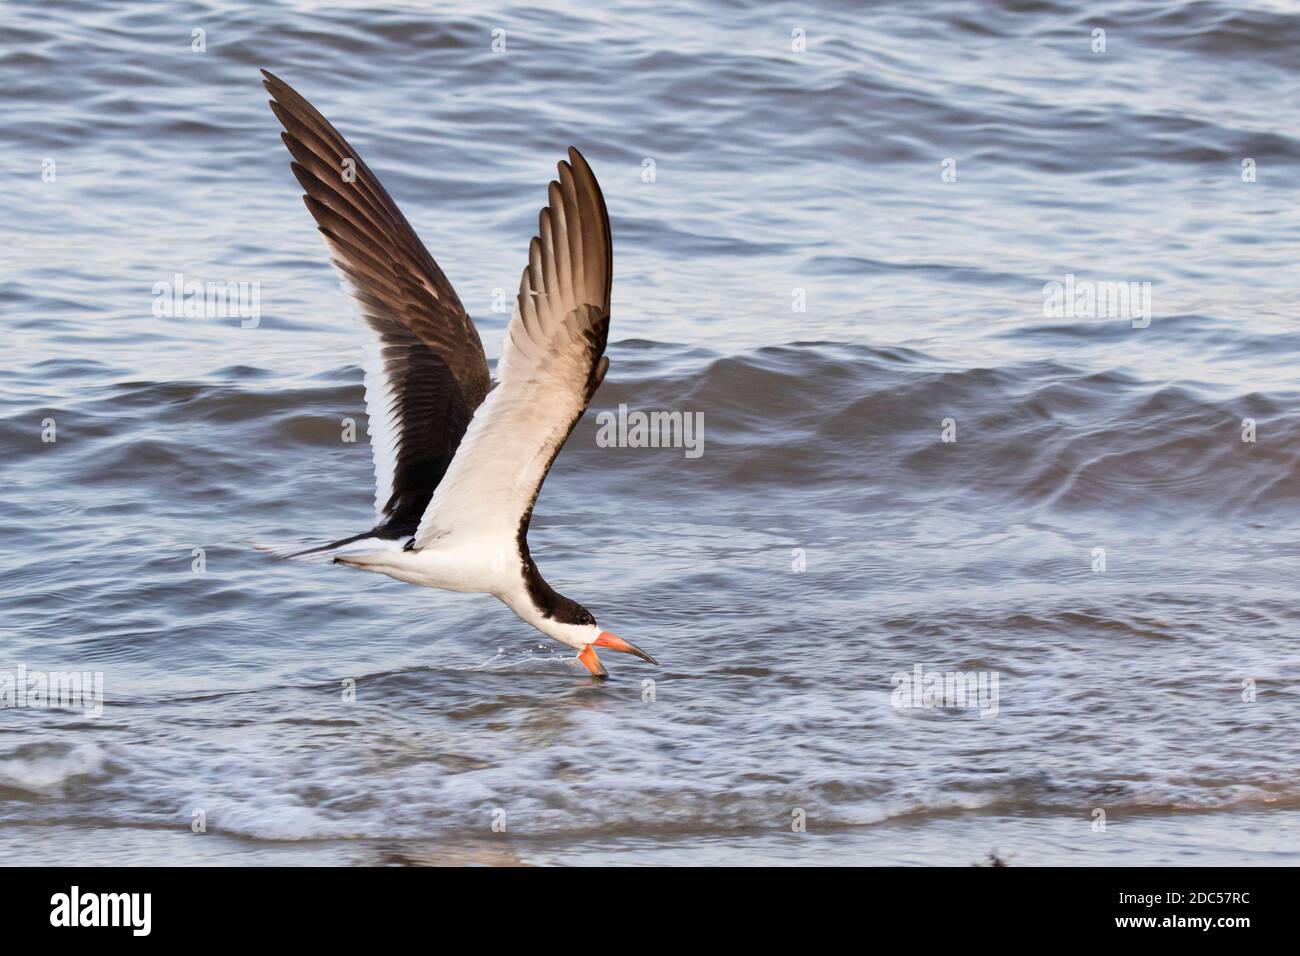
(426, 372)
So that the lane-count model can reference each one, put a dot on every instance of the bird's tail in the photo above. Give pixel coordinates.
(362, 543)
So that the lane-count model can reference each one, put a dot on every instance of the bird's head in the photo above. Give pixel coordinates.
(568, 622)
(584, 635)
(582, 632)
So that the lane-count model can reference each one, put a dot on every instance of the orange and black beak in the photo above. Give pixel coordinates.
(614, 643)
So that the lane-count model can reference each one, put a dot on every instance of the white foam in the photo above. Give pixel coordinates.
(46, 773)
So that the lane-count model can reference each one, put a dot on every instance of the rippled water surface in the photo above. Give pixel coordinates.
(1160, 691)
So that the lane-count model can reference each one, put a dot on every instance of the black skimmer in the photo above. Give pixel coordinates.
(458, 463)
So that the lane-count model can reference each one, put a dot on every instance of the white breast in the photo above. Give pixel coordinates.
(475, 565)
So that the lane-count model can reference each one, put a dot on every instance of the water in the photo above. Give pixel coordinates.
(774, 171)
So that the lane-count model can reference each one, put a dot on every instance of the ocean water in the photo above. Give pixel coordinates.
(835, 232)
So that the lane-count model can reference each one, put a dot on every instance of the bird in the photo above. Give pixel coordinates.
(459, 462)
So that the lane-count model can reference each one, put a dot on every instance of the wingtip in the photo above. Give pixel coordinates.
(280, 90)
(580, 170)
(577, 160)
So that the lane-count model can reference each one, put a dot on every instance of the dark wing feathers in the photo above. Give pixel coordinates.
(427, 374)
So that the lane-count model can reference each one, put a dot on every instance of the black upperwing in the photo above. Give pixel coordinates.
(427, 373)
